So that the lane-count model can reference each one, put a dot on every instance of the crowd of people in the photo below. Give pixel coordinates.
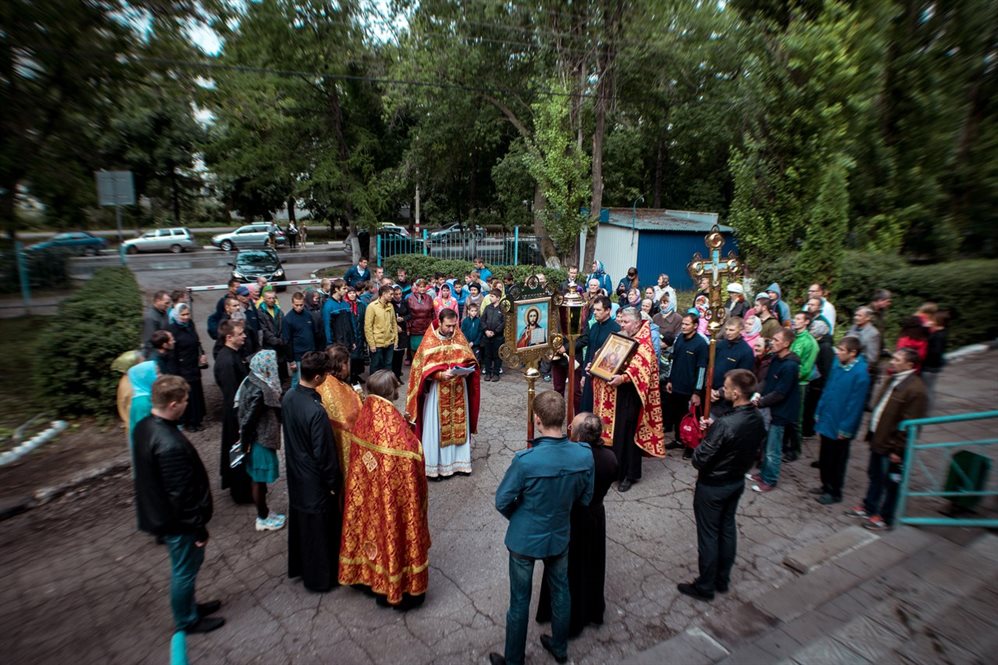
(321, 379)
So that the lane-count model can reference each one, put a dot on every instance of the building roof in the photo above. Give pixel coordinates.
(658, 219)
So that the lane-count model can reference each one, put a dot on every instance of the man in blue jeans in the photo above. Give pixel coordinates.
(536, 495)
(781, 396)
(173, 500)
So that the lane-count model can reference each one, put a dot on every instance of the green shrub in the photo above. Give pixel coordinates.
(95, 325)
(960, 286)
(419, 266)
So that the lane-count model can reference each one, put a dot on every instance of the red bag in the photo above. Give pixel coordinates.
(690, 433)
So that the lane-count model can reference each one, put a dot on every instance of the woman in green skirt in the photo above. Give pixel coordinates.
(259, 403)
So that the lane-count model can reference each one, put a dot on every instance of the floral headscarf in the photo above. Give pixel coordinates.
(263, 372)
(176, 312)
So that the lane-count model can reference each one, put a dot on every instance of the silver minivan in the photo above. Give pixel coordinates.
(174, 240)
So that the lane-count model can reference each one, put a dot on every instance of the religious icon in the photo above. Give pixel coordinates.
(532, 322)
(613, 356)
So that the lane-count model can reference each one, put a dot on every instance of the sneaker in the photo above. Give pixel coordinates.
(857, 511)
(876, 523)
(828, 499)
(762, 487)
(272, 522)
(754, 477)
(547, 378)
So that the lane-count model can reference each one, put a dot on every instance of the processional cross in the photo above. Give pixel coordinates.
(715, 268)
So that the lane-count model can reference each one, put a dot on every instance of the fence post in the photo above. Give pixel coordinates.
(22, 274)
(377, 246)
(426, 240)
(909, 457)
(516, 245)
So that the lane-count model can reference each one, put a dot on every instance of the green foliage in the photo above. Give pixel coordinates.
(46, 269)
(821, 256)
(960, 286)
(418, 266)
(96, 324)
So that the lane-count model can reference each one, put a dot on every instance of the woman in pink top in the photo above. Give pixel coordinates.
(444, 300)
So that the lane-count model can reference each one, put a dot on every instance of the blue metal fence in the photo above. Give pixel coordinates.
(914, 429)
(503, 248)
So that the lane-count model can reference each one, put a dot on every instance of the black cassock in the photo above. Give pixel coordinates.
(586, 552)
(314, 486)
(230, 370)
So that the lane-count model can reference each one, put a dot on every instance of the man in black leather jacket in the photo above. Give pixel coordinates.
(723, 458)
(173, 500)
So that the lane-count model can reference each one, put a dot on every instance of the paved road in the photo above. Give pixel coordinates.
(82, 586)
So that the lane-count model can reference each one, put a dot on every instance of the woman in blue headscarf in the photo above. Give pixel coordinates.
(141, 377)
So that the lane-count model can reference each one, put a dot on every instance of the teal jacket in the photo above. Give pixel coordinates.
(538, 491)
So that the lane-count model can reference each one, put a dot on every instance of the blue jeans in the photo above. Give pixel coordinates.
(773, 456)
(185, 561)
(296, 375)
(882, 492)
(381, 358)
(521, 573)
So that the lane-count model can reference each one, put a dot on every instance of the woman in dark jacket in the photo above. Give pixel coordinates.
(259, 399)
(188, 359)
(420, 308)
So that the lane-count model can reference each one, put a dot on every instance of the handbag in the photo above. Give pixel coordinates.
(690, 433)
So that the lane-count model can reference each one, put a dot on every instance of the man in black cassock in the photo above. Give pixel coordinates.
(587, 543)
(591, 340)
(314, 480)
(230, 370)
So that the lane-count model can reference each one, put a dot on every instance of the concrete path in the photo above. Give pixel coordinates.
(83, 586)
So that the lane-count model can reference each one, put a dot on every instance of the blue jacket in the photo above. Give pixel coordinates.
(840, 408)
(729, 356)
(472, 330)
(603, 279)
(689, 364)
(538, 491)
(782, 391)
(299, 334)
(353, 276)
(780, 309)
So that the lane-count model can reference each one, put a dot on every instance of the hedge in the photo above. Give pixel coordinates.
(95, 325)
(419, 266)
(963, 287)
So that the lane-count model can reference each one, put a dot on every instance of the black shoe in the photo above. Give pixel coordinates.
(205, 625)
(546, 643)
(212, 606)
(624, 485)
(817, 490)
(815, 465)
(496, 377)
(675, 445)
(496, 659)
(688, 453)
(409, 602)
(693, 592)
(828, 499)
(790, 457)
(382, 601)
(720, 589)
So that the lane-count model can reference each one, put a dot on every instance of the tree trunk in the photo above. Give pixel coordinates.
(548, 250)
(175, 195)
(656, 196)
(291, 210)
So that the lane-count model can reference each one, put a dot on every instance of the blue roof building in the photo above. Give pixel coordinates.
(655, 241)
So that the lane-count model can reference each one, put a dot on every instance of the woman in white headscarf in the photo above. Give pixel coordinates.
(259, 400)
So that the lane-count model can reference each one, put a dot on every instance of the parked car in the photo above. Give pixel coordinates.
(253, 263)
(457, 232)
(245, 237)
(77, 242)
(391, 242)
(174, 240)
(388, 226)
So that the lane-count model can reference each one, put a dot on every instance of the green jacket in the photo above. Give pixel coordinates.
(805, 347)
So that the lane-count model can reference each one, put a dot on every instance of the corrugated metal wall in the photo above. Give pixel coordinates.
(614, 247)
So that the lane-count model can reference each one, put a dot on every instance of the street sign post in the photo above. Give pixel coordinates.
(116, 188)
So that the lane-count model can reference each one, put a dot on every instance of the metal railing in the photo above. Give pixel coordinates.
(914, 428)
(506, 248)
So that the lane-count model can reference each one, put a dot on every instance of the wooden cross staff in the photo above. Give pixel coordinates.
(714, 268)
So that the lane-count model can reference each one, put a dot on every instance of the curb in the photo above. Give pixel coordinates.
(45, 495)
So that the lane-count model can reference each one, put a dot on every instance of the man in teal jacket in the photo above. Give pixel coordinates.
(536, 495)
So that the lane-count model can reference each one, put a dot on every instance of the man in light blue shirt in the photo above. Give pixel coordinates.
(536, 495)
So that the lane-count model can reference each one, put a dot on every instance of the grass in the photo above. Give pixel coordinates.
(18, 399)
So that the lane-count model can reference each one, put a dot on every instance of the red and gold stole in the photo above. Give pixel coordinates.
(342, 404)
(437, 354)
(386, 533)
(643, 372)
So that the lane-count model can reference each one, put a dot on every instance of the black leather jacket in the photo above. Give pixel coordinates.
(172, 493)
(730, 447)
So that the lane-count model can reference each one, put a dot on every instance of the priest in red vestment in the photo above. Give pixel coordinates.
(443, 397)
(386, 532)
(630, 404)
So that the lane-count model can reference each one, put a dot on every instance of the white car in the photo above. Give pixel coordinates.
(174, 240)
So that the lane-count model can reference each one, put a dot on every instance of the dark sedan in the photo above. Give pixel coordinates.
(77, 242)
(253, 263)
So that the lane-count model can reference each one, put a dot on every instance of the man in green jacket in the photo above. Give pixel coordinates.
(805, 347)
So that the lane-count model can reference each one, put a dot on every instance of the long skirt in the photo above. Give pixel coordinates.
(194, 413)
